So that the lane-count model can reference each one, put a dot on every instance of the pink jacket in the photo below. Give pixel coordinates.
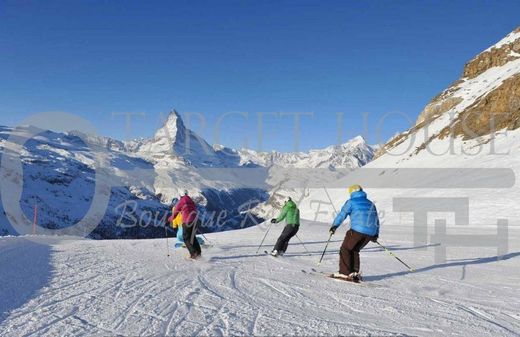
(187, 208)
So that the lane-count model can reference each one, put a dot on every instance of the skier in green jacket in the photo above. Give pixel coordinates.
(291, 214)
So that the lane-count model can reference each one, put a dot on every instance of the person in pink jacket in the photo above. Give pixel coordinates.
(186, 207)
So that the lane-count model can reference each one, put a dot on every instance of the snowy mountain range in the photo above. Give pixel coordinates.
(145, 175)
(175, 141)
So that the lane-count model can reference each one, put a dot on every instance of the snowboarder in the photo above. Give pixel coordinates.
(291, 214)
(186, 207)
(364, 227)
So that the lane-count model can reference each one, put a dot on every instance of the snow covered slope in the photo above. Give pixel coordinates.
(127, 287)
(59, 177)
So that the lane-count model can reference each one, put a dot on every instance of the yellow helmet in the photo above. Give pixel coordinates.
(354, 188)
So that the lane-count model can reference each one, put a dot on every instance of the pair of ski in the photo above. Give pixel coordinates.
(316, 272)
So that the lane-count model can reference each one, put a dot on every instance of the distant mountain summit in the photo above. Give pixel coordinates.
(352, 154)
(174, 141)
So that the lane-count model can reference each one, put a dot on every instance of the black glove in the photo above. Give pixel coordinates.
(273, 220)
(374, 238)
(332, 230)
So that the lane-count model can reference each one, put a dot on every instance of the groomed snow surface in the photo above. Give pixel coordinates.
(127, 287)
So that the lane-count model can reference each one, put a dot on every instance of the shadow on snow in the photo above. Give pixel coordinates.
(25, 269)
(457, 263)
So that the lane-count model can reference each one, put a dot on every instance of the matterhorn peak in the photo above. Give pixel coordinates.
(173, 117)
(172, 130)
(174, 139)
(173, 123)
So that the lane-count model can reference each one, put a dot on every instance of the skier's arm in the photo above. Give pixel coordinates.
(342, 215)
(374, 222)
(378, 224)
(282, 215)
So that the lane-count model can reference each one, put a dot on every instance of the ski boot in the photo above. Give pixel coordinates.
(355, 277)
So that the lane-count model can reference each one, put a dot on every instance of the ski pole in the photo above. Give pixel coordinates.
(261, 243)
(398, 259)
(303, 244)
(333, 207)
(204, 236)
(167, 244)
(323, 254)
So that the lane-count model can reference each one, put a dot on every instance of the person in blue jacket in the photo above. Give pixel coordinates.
(364, 227)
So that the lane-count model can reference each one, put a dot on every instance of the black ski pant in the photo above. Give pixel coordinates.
(189, 232)
(283, 241)
(349, 251)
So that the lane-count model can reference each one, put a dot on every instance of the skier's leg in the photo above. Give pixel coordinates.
(294, 230)
(355, 261)
(187, 234)
(196, 246)
(281, 242)
(349, 251)
(180, 234)
(195, 242)
(363, 241)
(285, 244)
(345, 255)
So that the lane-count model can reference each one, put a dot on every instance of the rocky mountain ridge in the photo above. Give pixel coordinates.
(486, 99)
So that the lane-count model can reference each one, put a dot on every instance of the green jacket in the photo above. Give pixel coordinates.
(290, 213)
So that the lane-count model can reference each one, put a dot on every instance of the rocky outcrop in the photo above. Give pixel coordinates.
(484, 100)
(436, 108)
(508, 49)
(498, 110)
(494, 57)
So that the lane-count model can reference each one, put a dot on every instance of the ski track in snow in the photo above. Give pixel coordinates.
(123, 288)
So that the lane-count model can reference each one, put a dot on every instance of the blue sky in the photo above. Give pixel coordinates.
(100, 58)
